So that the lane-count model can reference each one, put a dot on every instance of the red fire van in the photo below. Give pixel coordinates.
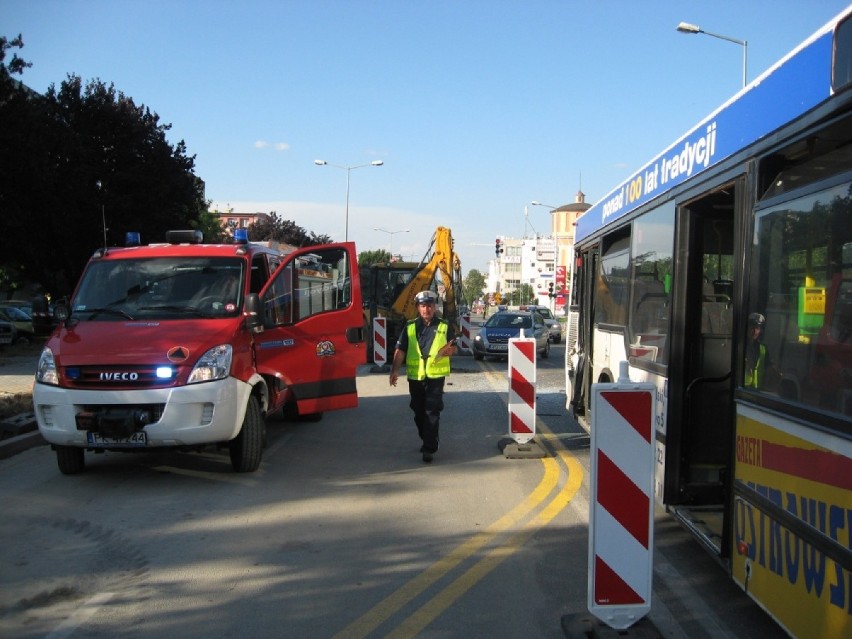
(185, 345)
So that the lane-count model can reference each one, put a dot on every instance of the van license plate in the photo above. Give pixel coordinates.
(136, 439)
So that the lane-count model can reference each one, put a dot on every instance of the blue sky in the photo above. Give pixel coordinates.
(476, 108)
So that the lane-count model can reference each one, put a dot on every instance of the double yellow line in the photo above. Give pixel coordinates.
(429, 611)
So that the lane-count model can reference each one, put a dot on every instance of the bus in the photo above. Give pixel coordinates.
(721, 271)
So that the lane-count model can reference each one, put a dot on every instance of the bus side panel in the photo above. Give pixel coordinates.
(609, 348)
(661, 401)
(809, 475)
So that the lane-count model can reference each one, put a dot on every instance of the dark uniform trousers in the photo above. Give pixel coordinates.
(427, 402)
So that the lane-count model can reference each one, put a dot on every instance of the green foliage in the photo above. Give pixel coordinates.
(83, 164)
(378, 256)
(527, 294)
(520, 296)
(473, 285)
(16, 64)
(276, 229)
(210, 227)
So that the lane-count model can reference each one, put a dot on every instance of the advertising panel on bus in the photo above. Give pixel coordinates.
(804, 472)
(760, 108)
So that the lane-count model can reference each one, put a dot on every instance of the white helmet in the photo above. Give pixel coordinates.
(425, 297)
(756, 319)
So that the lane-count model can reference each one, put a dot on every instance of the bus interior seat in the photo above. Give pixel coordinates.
(724, 287)
(716, 312)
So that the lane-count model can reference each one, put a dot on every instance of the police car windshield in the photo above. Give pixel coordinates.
(159, 288)
(509, 320)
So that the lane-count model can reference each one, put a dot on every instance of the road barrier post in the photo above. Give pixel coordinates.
(380, 345)
(465, 348)
(522, 374)
(621, 518)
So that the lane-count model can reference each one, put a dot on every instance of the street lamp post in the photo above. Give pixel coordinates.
(535, 203)
(348, 170)
(391, 233)
(685, 27)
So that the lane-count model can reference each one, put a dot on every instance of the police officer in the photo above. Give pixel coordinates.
(757, 357)
(425, 346)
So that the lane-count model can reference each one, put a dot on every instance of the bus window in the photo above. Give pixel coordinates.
(653, 235)
(612, 282)
(802, 285)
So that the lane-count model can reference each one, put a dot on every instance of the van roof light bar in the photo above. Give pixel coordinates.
(184, 237)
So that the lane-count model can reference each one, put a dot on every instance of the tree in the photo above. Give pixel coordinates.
(210, 227)
(377, 256)
(473, 285)
(14, 108)
(275, 229)
(82, 165)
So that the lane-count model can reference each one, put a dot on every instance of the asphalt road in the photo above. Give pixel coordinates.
(343, 532)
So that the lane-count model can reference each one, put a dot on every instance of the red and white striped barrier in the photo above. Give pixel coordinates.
(522, 389)
(621, 521)
(465, 346)
(380, 341)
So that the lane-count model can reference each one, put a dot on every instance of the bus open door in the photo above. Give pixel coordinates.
(701, 374)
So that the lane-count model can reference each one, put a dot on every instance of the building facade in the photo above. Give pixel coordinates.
(231, 221)
(542, 262)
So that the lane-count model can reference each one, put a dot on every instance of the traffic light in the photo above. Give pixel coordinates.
(498, 248)
(497, 297)
(550, 288)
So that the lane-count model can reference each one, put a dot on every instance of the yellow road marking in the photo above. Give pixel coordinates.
(427, 613)
(444, 599)
(382, 611)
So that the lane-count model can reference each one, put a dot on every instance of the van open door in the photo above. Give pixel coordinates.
(313, 330)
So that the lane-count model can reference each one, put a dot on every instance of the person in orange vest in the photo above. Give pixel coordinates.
(425, 346)
(757, 357)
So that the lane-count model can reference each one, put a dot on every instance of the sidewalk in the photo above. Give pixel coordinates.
(16, 373)
(19, 432)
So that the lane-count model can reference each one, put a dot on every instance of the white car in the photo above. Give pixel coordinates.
(553, 324)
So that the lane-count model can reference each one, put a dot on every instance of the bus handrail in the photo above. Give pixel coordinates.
(707, 380)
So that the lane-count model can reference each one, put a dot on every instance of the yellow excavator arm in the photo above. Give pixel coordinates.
(444, 265)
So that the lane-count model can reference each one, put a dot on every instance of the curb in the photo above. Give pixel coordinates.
(18, 434)
(20, 443)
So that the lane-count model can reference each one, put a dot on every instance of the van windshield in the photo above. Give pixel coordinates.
(160, 288)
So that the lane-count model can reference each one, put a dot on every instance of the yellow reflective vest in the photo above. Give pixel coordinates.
(753, 378)
(418, 368)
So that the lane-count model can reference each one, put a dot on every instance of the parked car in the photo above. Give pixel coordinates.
(23, 323)
(493, 337)
(40, 312)
(23, 305)
(8, 333)
(553, 324)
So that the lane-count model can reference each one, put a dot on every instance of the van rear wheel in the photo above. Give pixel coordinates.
(70, 459)
(246, 448)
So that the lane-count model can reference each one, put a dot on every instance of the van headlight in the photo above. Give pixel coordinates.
(46, 371)
(214, 364)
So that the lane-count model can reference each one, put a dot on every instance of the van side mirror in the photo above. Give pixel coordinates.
(252, 311)
(60, 311)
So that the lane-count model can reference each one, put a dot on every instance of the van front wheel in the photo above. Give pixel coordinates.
(71, 460)
(247, 448)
